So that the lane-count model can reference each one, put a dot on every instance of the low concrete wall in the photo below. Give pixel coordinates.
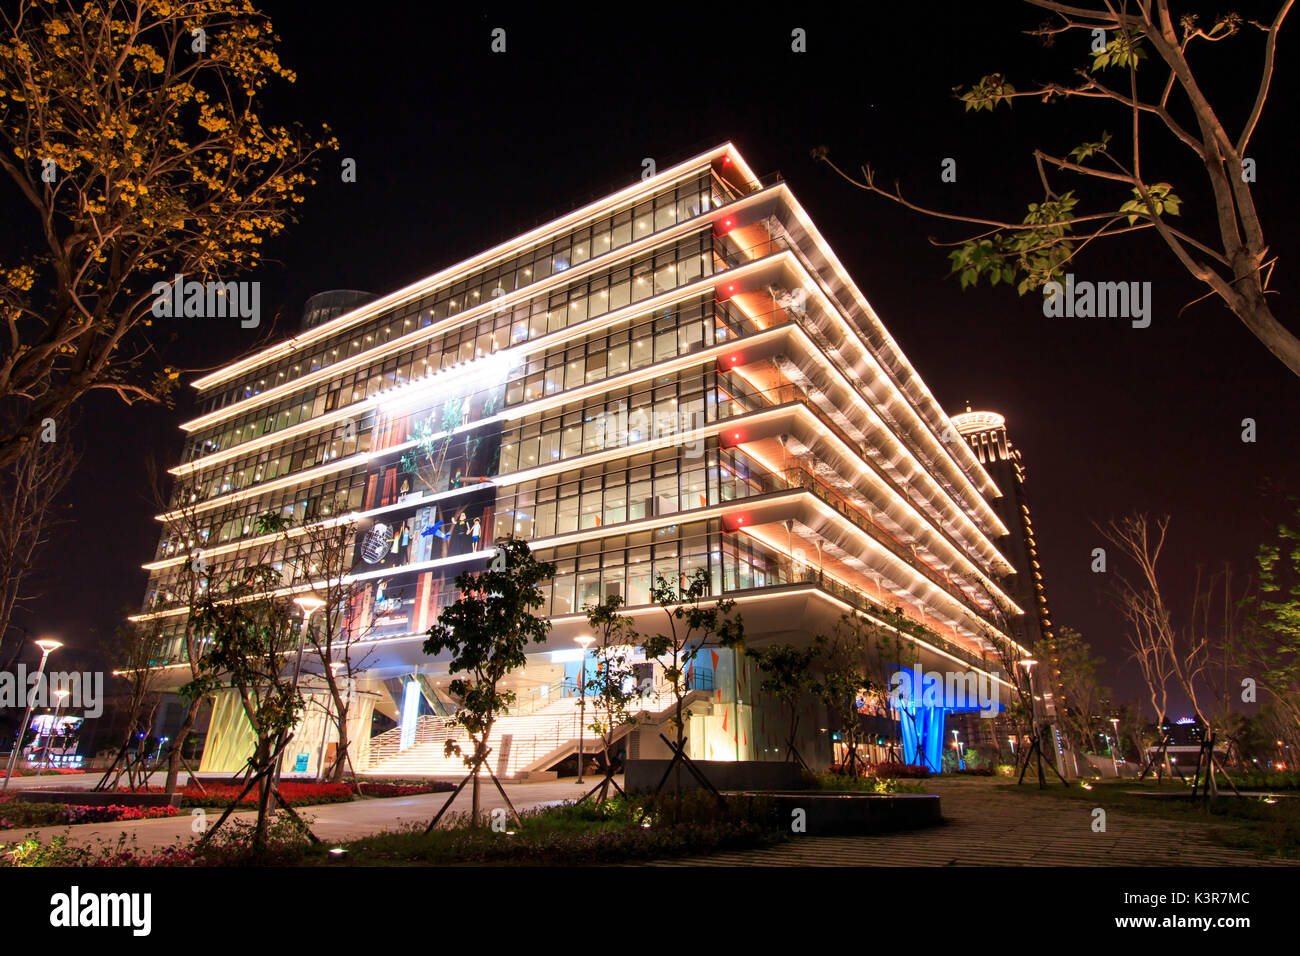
(723, 774)
(95, 798)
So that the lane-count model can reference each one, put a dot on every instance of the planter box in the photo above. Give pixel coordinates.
(847, 813)
(723, 774)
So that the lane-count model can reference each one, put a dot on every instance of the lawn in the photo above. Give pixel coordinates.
(575, 835)
(1269, 826)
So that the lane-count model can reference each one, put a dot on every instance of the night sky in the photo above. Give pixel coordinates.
(458, 149)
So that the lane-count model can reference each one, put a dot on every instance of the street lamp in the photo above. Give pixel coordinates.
(309, 604)
(1114, 722)
(586, 641)
(47, 647)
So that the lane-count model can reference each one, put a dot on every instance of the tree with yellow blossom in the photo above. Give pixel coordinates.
(133, 131)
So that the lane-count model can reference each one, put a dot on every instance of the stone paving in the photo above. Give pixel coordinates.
(990, 826)
(332, 822)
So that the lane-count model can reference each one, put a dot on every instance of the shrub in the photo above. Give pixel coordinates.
(896, 770)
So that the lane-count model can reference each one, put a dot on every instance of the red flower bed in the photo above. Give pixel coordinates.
(115, 814)
(296, 794)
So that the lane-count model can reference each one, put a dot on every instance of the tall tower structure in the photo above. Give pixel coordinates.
(986, 434)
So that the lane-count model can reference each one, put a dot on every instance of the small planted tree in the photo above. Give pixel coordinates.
(843, 676)
(323, 554)
(611, 689)
(694, 621)
(138, 648)
(787, 674)
(487, 630)
(253, 634)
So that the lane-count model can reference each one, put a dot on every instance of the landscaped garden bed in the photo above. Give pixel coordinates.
(17, 813)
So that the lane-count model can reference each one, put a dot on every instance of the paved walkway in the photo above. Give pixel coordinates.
(332, 822)
(990, 826)
(987, 826)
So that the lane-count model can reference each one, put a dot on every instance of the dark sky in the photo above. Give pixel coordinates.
(458, 149)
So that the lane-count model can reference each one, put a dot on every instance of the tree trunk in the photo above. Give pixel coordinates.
(174, 758)
(263, 799)
(1252, 308)
(473, 806)
(340, 752)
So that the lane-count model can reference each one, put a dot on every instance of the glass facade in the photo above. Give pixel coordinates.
(585, 412)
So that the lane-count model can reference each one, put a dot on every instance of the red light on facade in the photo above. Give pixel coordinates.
(726, 160)
(733, 523)
(735, 359)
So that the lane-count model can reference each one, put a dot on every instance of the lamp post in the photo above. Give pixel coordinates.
(47, 647)
(586, 641)
(60, 696)
(309, 603)
(956, 745)
(1114, 722)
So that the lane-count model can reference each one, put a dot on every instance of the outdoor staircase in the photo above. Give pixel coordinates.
(518, 743)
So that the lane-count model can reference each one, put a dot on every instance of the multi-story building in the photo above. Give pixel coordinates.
(679, 376)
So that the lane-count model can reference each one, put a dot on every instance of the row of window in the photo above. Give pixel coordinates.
(668, 405)
(660, 272)
(644, 486)
(238, 520)
(656, 214)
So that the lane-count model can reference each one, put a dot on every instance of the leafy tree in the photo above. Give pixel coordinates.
(611, 687)
(321, 556)
(1073, 674)
(787, 674)
(253, 633)
(1154, 87)
(1271, 636)
(133, 131)
(487, 630)
(855, 662)
(694, 622)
